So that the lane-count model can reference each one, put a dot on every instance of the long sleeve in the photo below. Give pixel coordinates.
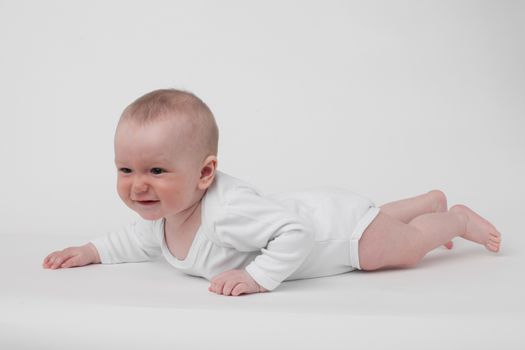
(247, 221)
(134, 243)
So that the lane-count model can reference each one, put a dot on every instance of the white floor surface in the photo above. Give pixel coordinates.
(464, 298)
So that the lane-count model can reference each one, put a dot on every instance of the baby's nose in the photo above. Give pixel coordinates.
(139, 187)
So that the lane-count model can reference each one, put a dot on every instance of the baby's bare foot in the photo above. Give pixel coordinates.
(478, 229)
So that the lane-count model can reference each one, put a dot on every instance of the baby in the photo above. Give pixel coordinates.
(209, 224)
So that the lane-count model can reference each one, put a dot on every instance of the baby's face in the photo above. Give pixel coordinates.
(155, 178)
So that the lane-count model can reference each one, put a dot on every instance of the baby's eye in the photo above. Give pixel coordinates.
(125, 170)
(157, 171)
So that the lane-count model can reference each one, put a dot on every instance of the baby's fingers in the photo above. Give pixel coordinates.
(239, 289)
(58, 259)
(71, 262)
(49, 260)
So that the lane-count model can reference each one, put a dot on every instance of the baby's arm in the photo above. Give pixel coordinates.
(72, 257)
(248, 222)
(133, 243)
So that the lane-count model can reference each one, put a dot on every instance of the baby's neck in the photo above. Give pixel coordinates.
(185, 222)
(180, 232)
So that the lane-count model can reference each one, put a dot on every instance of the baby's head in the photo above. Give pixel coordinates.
(165, 153)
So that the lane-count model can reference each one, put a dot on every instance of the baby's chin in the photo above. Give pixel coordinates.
(150, 216)
(145, 213)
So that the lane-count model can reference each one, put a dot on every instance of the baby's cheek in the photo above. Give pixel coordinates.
(175, 200)
(123, 190)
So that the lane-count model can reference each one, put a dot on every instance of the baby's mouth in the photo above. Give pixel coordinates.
(147, 202)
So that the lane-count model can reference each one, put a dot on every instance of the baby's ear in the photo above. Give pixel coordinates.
(208, 172)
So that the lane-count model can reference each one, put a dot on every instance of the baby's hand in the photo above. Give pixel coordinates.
(234, 282)
(71, 257)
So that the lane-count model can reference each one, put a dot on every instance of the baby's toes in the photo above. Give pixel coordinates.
(495, 237)
(449, 245)
(493, 248)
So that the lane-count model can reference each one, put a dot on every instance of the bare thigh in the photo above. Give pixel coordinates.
(388, 242)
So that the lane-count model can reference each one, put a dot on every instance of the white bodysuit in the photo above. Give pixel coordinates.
(275, 238)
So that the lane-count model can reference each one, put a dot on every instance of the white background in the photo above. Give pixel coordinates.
(386, 98)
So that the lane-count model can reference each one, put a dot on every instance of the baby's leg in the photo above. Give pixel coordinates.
(408, 209)
(389, 242)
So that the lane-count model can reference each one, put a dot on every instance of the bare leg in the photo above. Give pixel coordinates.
(389, 242)
(408, 209)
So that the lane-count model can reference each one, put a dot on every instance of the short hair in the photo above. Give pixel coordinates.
(166, 103)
